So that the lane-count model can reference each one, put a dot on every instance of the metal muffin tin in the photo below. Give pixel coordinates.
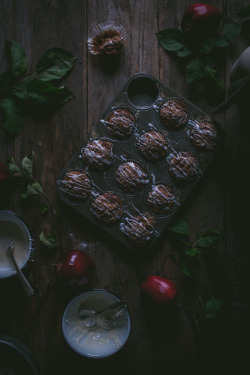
(143, 95)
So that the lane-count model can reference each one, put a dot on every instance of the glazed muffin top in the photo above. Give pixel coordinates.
(203, 136)
(107, 207)
(131, 177)
(76, 184)
(138, 228)
(174, 114)
(152, 145)
(98, 154)
(120, 123)
(183, 167)
(161, 199)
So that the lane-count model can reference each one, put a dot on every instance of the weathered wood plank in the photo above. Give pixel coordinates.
(168, 343)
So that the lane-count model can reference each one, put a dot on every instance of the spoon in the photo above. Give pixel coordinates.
(26, 285)
(89, 317)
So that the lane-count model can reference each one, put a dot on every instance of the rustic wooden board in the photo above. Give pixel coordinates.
(167, 344)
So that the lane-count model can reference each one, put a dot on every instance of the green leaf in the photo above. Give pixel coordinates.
(221, 41)
(13, 120)
(231, 31)
(30, 191)
(43, 208)
(210, 238)
(184, 52)
(46, 241)
(55, 64)
(194, 71)
(171, 40)
(235, 91)
(13, 167)
(192, 251)
(5, 80)
(37, 187)
(211, 308)
(207, 45)
(41, 92)
(18, 58)
(52, 237)
(244, 12)
(27, 166)
(181, 227)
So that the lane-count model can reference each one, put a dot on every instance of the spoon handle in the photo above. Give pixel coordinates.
(26, 285)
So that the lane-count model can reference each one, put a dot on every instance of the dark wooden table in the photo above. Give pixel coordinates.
(167, 344)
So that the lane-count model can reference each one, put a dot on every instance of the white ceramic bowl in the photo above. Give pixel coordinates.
(13, 229)
(94, 342)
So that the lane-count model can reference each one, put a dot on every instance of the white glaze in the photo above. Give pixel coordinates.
(95, 342)
(12, 229)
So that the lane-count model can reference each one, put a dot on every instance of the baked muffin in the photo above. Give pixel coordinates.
(131, 177)
(183, 167)
(109, 41)
(203, 136)
(138, 228)
(75, 184)
(107, 208)
(152, 145)
(161, 199)
(174, 114)
(98, 154)
(120, 123)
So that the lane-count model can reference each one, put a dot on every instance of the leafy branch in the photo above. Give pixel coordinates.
(200, 63)
(34, 92)
(205, 244)
(23, 175)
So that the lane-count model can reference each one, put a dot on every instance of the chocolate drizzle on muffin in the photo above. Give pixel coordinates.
(183, 167)
(203, 136)
(107, 208)
(131, 177)
(76, 184)
(152, 145)
(174, 114)
(138, 228)
(161, 199)
(98, 154)
(120, 123)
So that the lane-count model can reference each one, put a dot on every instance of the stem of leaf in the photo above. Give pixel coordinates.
(48, 200)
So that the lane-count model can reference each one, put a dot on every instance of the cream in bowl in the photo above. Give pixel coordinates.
(13, 230)
(96, 324)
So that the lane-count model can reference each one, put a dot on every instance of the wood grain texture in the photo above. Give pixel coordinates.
(169, 343)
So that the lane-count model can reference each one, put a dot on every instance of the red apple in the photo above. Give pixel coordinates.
(200, 20)
(159, 290)
(75, 267)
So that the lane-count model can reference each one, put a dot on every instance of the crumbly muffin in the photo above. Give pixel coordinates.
(107, 208)
(138, 228)
(120, 123)
(203, 136)
(98, 154)
(152, 145)
(75, 184)
(174, 114)
(131, 177)
(183, 167)
(110, 42)
(161, 199)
